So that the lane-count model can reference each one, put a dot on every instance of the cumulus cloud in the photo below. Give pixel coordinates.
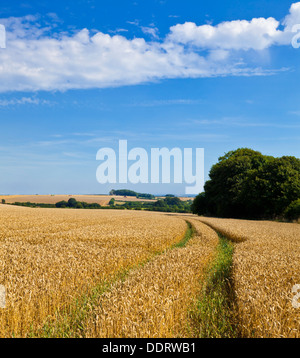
(293, 18)
(256, 34)
(39, 58)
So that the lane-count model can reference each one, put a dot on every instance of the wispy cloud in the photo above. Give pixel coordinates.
(241, 122)
(23, 101)
(116, 31)
(135, 22)
(83, 134)
(296, 113)
(152, 31)
(53, 143)
(73, 155)
(203, 137)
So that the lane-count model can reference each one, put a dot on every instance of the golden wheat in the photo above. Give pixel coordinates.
(49, 256)
(154, 301)
(266, 267)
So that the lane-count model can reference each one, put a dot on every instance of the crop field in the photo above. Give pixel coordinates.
(111, 273)
(53, 199)
(48, 256)
(154, 301)
(266, 268)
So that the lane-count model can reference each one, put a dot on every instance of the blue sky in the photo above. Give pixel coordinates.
(77, 76)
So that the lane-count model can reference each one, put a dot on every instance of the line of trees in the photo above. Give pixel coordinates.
(126, 192)
(168, 204)
(74, 204)
(247, 184)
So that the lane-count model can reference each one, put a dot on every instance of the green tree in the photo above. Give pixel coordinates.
(111, 202)
(268, 191)
(172, 201)
(292, 212)
(199, 205)
(61, 204)
(72, 203)
(227, 179)
(246, 184)
(160, 203)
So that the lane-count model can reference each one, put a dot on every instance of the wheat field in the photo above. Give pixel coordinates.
(266, 268)
(51, 257)
(154, 302)
(48, 256)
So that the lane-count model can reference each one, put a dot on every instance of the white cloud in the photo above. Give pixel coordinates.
(135, 22)
(256, 34)
(38, 58)
(293, 18)
(152, 31)
(117, 31)
(98, 61)
(25, 27)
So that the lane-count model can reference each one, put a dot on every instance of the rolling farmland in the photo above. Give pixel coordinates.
(89, 273)
(53, 199)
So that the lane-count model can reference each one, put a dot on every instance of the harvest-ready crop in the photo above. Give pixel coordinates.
(50, 256)
(111, 273)
(266, 268)
(154, 301)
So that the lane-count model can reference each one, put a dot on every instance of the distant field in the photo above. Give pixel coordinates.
(53, 199)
